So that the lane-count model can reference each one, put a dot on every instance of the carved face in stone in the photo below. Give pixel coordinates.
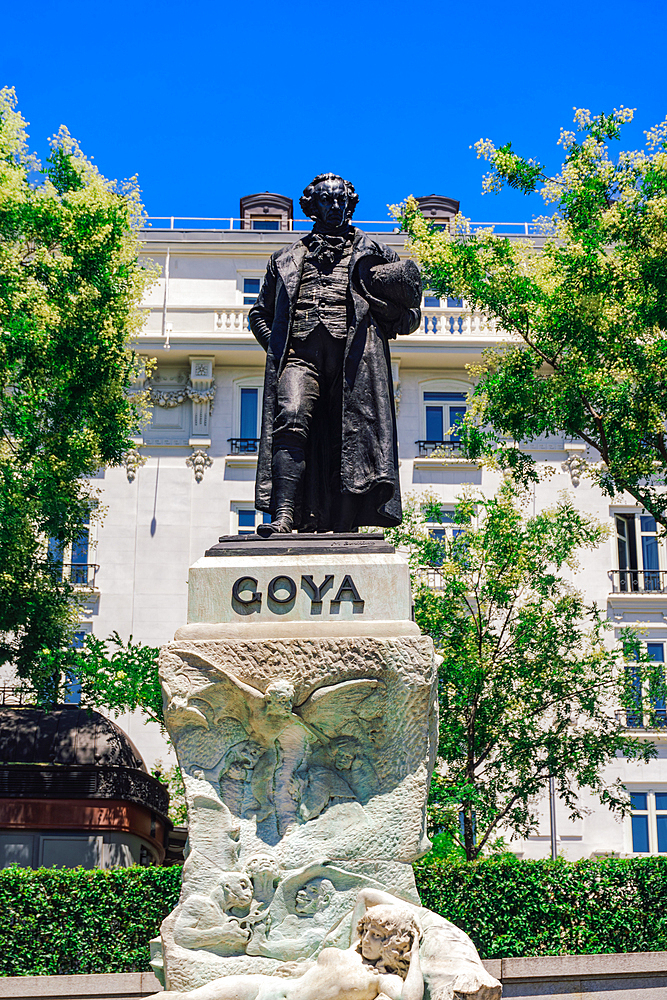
(241, 758)
(314, 896)
(279, 698)
(237, 891)
(372, 943)
(330, 203)
(262, 865)
(345, 754)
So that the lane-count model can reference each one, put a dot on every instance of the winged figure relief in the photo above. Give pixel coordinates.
(298, 758)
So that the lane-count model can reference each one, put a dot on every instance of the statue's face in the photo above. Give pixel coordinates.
(307, 898)
(238, 891)
(279, 700)
(371, 943)
(330, 203)
(262, 864)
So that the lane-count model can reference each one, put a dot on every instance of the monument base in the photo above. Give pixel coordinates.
(304, 717)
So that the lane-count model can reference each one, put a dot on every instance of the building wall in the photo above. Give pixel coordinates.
(159, 523)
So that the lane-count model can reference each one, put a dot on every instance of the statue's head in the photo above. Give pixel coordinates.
(279, 697)
(330, 200)
(313, 897)
(236, 890)
(263, 864)
(386, 934)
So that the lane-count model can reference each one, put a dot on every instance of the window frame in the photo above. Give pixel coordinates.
(238, 507)
(241, 275)
(638, 578)
(450, 386)
(654, 812)
(247, 382)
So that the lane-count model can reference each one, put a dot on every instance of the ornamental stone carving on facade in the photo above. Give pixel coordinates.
(576, 465)
(168, 398)
(199, 461)
(133, 460)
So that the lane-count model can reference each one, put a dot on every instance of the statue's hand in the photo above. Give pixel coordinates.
(234, 935)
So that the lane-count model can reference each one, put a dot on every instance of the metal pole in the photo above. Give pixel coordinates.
(552, 811)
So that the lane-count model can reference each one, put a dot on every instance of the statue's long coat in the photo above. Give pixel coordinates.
(369, 454)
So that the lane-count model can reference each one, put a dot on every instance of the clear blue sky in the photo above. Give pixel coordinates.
(209, 101)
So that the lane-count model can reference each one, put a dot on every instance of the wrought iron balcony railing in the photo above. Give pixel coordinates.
(438, 449)
(638, 581)
(81, 574)
(635, 720)
(243, 446)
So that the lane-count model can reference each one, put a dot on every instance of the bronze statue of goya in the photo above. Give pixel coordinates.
(329, 304)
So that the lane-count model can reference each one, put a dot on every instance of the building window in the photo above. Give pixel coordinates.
(249, 418)
(249, 415)
(247, 519)
(261, 222)
(79, 564)
(72, 691)
(250, 291)
(432, 301)
(71, 562)
(441, 529)
(638, 551)
(443, 412)
(635, 719)
(649, 822)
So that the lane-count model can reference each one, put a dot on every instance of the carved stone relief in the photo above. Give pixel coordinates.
(133, 460)
(306, 765)
(199, 461)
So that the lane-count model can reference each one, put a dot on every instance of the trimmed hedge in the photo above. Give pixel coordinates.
(515, 908)
(56, 921)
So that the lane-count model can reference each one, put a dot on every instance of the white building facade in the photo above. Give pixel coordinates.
(190, 477)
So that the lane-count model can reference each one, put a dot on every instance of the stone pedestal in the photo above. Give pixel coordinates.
(301, 700)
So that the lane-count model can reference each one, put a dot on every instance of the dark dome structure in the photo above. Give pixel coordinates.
(75, 790)
(67, 735)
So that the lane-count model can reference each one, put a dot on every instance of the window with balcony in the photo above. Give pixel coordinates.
(249, 420)
(649, 822)
(442, 414)
(441, 527)
(72, 562)
(639, 556)
(438, 323)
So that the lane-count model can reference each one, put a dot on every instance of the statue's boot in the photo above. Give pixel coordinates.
(288, 467)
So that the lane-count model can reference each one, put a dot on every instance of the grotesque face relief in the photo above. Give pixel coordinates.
(240, 759)
(262, 864)
(279, 698)
(330, 203)
(312, 897)
(237, 891)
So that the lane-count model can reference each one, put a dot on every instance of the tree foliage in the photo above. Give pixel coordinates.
(70, 287)
(586, 305)
(529, 683)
